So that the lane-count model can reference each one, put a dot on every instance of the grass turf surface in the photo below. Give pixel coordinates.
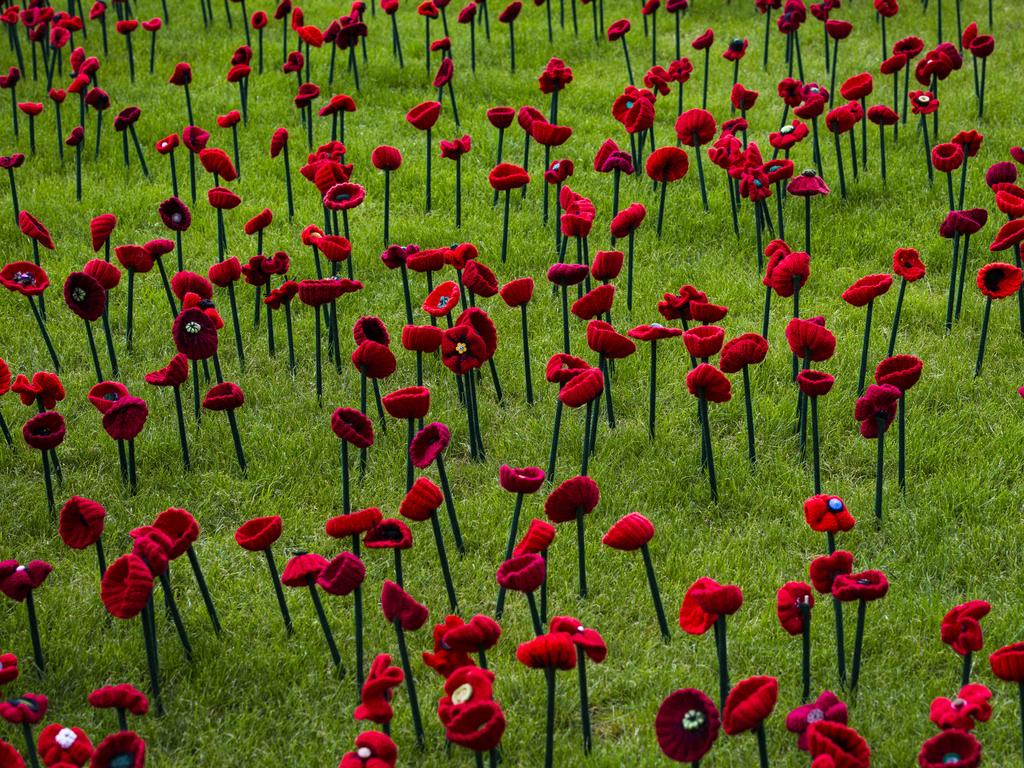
(255, 696)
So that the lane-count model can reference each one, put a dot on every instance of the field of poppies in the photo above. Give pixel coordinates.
(641, 379)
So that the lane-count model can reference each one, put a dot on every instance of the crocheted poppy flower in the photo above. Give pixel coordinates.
(185, 282)
(422, 500)
(518, 292)
(554, 650)
(866, 585)
(520, 479)
(866, 289)
(998, 280)
(458, 669)
(827, 707)
(342, 574)
(704, 40)
(428, 444)
(120, 696)
(224, 273)
(344, 196)
(953, 747)
(566, 274)
(126, 587)
(180, 527)
(353, 524)
(84, 296)
(153, 546)
(225, 396)
(407, 403)
(120, 750)
(195, 334)
(45, 387)
(125, 417)
(442, 300)
(686, 725)
(704, 602)
(24, 277)
(906, 262)
(810, 338)
(64, 746)
(477, 725)
(961, 626)
(630, 532)
(302, 570)
(374, 360)
(1007, 663)
(749, 704)
(398, 605)
(507, 176)
(81, 522)
(173, 374)
(901, 371)
(825, 569)
(353, 427)
(704, 340)
(377, 690)
(501, 117)
(259, 533)
(559, 171)
(424, 115)
(577, 495)
(882, 115)
(876, 409)
(34, 229)
(594, 302)
(604, 339)
(790, 601)
(463, 349)
(373, 750)
(480, 632)
(710, 383)
(969, 707)
(837, 741)
(44, 431)
(480, 280)
(389, 533)
(827, 514)
(537, 539)
(747, 349)
(522, 573)
(588, 639)
(421, 338)
(28, 709)
(16, 580)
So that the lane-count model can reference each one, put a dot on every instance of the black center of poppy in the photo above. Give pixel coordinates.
(736, 44)
(78, 294)
(443, 302)
(629, 105)
(993, 278)
(206, 304)
(950, 758)
(389, 533)
(864, 581)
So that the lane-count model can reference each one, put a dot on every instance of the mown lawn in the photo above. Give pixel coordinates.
(254, 697)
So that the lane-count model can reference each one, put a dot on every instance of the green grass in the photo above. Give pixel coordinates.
(255, 697)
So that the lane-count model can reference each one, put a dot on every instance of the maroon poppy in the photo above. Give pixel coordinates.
(710, 383)
(686, 725)
(44, 431)
(814, 383)
(704, 602)
(84, 296)
(399, 606)
(195, 334)
(81, 522)
(126, 587)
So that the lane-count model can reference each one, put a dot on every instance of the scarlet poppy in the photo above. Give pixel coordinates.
(998, 280)
(24, 277)
(710, 383)
(399, 606)
(507, 176)
(353, 523)
(827, 514)
(120, 696)
(749, 704)
(837, 741)
(810, 339)
(961, 626)
(969, 707)
(126, 587)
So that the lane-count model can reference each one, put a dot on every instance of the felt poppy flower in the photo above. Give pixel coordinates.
(961, 626)
(24, 277)
(428, 443)
(968, 708)
(951, 747)
(120, 696)
(710, 383)
(630, 532)
(827, 707)
(704, 602)
(810, 339)
(686, 725)
(876, 409)
(259, 533)
(27, 709)
(507, 176)
(520, 479)
(749, 704)
(421, 501)
(84, 296)
(537, 539)
(399, 606)
(389, 533)
(195, 334)
(81, 522)
(342, 574)
(124, 748)
(44, 431)
(827, 514)
(906, 262)
(60, 745)
(522, 573)
(126, 587)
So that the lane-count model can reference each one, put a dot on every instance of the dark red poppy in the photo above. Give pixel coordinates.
(704, 341)
(44, 431)
(902, 371)
(126, 587)
(704, 40)
(807, 184)
(429, 443)
(628, 220)
(617, 29)
(814, 383)
(866, 585)
(388, 534)
(225, 396)
(507, 176)
(1009, 235)
(120, 696)
(421, 338)
(399, 606)
(704, 602)
(876, 409)
(480, 280)
(866, 289)
(710, 383)
(585, 386)
(463, 349)
(906, 262)
(353, 524)
(407, 403)
(594, 302)
(424, 115)
(27, 709)
(574, 496)
(961, 626)
(81, 522)
(554, 651)
(857, 87)
(947, 157)
(686, 725)
(501, 117)
(605, 340)
(84, 296)
(125, 417)
(951, 747)
(749, 704)
(342, 574)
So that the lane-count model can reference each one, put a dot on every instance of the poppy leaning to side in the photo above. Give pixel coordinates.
(709, 385)
(631, 532)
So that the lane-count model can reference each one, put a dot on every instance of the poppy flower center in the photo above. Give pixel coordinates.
(958, 703)
(443, 302)
(629, 105)
(787, 129)
(950, 758)
(176, 218)
(66, 738)
(693, 720)
(864, 581)
(657, 325)
(836, 505)
(462, 694)
(461, 347)
(736, 44)
(78, 294)
(555, 167)
(923, 100)
(993, 278)
(193, 328)
(110, 396)
(20, 568)
(364, 753)
(24, 278)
